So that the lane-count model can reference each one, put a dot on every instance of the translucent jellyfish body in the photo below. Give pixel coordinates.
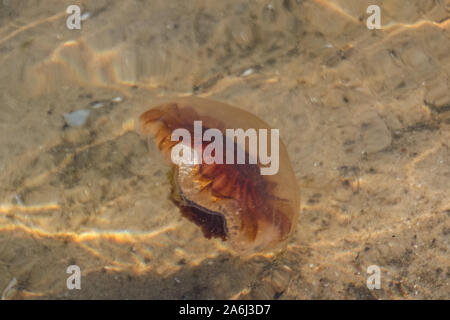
(245, 203)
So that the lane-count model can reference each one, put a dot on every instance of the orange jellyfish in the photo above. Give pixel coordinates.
(227, 198)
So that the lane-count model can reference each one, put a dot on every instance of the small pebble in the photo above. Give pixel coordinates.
(98, 105)
(76, 118)
(247, 72)
(171, 26)
(117, 99)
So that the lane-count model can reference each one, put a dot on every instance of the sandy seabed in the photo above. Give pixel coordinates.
(364, 114)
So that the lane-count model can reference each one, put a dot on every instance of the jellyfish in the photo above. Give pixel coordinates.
(227, 198)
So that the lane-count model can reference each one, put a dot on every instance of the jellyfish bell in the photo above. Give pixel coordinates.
(240, 202)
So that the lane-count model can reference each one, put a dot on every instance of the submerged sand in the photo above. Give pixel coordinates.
(364, 114)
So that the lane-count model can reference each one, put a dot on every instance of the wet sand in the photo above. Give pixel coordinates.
(363, 113)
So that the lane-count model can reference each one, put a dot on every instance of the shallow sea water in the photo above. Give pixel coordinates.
(364, 114)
